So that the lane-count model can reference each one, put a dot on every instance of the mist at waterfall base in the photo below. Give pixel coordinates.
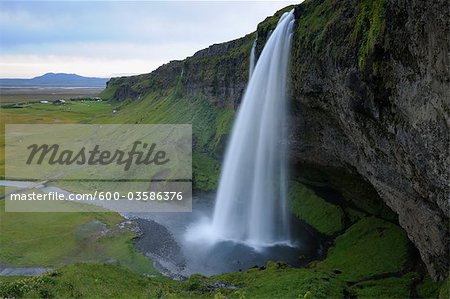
(250, 223)
(163, 240)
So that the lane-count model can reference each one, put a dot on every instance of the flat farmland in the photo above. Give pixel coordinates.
(16, 95)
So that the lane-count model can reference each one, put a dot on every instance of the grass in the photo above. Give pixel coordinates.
(224, 124)
(83, 281)
(392, 287)
(34, 94)
(276, 280)
(206, 171)
(108, 93)
(371, 247)
(284, 283)
(444, 291)
(69, 113)
(34, 239)
(428, 288)
(210, 127)
(156, 109)
(325, 217)
(369, 25)
(94, 281)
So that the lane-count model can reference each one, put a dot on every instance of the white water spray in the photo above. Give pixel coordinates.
(251, 204)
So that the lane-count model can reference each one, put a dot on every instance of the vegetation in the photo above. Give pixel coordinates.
(224, 123)
(205, 171)
(82, 280)
(271, 22)
(34, 94)
(444, 291)
(284, 282)
(108, 92)
(34, 239)
(332, 278)
(392, 287)
(69, 113)
(430, 289)
(325, 217)
(369, 248)
(210, 126)
(369, 25)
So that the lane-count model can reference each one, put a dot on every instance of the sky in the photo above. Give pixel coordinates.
(115, 38)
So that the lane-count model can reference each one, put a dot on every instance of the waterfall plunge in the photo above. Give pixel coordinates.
(252, 195)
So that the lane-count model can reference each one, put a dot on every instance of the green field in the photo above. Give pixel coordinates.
(56, 239)
(32, 94)
(69, 113)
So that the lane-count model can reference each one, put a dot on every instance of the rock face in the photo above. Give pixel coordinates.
(384, 111)
(218, 73)
(370, 89)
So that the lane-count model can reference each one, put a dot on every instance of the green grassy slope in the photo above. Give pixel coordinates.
(55, 239)
(355, 266)
(210, 127)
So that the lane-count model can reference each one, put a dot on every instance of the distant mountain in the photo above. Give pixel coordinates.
(56, 80)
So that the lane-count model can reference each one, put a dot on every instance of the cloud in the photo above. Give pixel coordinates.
(101, 33)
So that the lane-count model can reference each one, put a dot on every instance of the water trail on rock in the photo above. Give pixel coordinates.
(252, 60)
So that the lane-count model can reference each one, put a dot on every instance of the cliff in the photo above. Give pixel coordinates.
(370, 108)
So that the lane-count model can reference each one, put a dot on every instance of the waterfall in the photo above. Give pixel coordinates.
(251, 204)
(252, 60)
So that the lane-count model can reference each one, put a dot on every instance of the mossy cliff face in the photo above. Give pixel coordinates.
(370, 88)
(370, 108)
(218, 73)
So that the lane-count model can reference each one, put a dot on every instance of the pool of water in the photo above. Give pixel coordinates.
(165, 240)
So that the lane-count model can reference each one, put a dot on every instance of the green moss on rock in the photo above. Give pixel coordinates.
(392, 287)
(284, 283)
(369, 25)
(368, 248)
(271, 22)
(428, 288)
(210, 125)
(444, 292)
(325, 217)
(224, 123)
(108, 92)
(206, 171)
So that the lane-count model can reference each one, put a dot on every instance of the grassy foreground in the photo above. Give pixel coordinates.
(56, 239)
(372, 259)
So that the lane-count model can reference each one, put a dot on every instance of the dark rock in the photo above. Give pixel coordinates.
(389, 120)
